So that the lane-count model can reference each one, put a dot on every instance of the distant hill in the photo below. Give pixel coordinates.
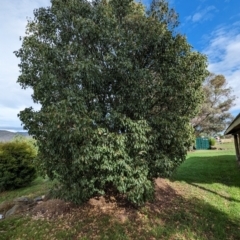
(25, 134)
(6, 136)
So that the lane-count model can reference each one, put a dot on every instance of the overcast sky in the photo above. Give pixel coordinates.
(211, 26)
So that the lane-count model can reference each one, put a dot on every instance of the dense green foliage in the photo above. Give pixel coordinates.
(118, 87)
(16, 164)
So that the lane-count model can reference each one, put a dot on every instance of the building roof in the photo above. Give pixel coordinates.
(234, 126)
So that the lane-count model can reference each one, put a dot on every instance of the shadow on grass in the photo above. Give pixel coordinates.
(221, 169)
(216, 193)
(189, 218)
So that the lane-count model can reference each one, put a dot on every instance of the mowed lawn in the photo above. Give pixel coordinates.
(200, 201)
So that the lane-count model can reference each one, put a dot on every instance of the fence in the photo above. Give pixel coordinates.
(227, 140)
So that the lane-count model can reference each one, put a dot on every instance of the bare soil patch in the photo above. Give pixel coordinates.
(119, 209)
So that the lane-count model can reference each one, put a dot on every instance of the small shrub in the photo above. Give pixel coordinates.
(212, 142)
(16, 164)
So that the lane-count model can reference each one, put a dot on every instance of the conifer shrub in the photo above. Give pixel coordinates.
(16, 164)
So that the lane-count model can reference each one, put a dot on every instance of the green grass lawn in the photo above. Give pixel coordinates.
(37, 188)
(200, 201)
(211, 178)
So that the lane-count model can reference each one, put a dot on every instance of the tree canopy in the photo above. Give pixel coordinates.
(118, 87)
(214, 115)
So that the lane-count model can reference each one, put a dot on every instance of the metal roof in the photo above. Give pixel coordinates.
(234, 126)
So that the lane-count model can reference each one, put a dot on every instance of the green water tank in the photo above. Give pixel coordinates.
(202, 143)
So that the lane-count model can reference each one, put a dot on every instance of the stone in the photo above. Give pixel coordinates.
(12, 211)
(5, 206)
(38, 199)
(20, 206)
(23, 200)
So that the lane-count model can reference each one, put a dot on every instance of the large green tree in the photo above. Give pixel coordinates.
(214, 115)
(117, 87)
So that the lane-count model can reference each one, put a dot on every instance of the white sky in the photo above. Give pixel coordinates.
(222, 49)
(13, 20)
(223, 53)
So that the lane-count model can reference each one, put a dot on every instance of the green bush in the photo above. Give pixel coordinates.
(212, 142)
(16, 164)
(29, 140)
